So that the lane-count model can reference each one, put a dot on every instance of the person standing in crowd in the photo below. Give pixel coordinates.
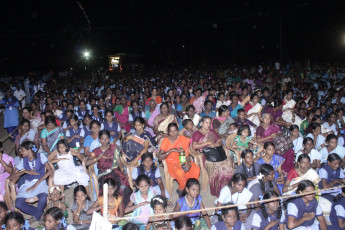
(11, 116)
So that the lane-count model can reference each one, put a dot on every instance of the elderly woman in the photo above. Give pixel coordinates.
(161, 122)
(169, 150)
(221, 123)
(51, 135)
(268, 130)
(219, 171)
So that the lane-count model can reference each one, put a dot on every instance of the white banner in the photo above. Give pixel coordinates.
(99, 223)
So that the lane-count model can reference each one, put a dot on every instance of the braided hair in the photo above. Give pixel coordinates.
(243, 155)
(265, 170)
(269, 195)
(143, 158)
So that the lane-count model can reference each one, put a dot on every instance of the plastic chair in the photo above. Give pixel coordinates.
(168, 179)
(198, 160)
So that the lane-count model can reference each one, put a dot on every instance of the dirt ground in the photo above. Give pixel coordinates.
(9, 149)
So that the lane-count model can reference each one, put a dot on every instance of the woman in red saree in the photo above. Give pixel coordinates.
(122, 114)
(109, 166)
(219, 173)
(268, 131)
(169, 150)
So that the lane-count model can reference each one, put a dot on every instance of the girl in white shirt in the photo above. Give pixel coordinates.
(314, 155)
(235, 192)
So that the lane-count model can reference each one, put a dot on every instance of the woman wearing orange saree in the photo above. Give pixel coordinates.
(170, 149)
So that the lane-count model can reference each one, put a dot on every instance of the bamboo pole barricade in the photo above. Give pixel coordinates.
(128, 218)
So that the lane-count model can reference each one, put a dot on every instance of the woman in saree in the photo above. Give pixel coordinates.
(244, 98)
(234, 106)
(288, 109)
(135, 145)
(221, 123)
(51, 135)
(150, 116)
(253, 109)
(219, 173)
(109, 166)
(303, 171)
(161, 122)
(305, 124)
(154, 97)
(275, 161)
(122, 114)
(181, 108)
(276, 111)
(169, 150)
(198, 101)
(268, 130)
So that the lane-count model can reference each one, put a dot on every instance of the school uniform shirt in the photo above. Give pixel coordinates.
(297, 144)
(337, 212)
(72, 132)
(255, 188)
(153, 177)
(313, 155)
(297, 208)
(113, 127)
(81, 113)
(221, 226)
(340, 150)
(260, 222)
(133, 115)
(225, 197)
(99, 118)
(333, 127)
(248, 171)
(327, 173)
(319, 141)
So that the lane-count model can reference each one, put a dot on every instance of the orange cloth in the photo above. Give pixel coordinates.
(158, 100)
(174, 168)
(112, 207)
(192, 100)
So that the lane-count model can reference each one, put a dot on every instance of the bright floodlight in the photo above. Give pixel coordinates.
(86, 54)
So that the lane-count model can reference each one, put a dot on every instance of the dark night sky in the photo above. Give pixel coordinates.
(37, 33)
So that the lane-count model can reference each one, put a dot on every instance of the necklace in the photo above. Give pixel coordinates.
(190, 206)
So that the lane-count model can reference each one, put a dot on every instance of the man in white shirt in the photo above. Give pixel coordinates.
(20, 95)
